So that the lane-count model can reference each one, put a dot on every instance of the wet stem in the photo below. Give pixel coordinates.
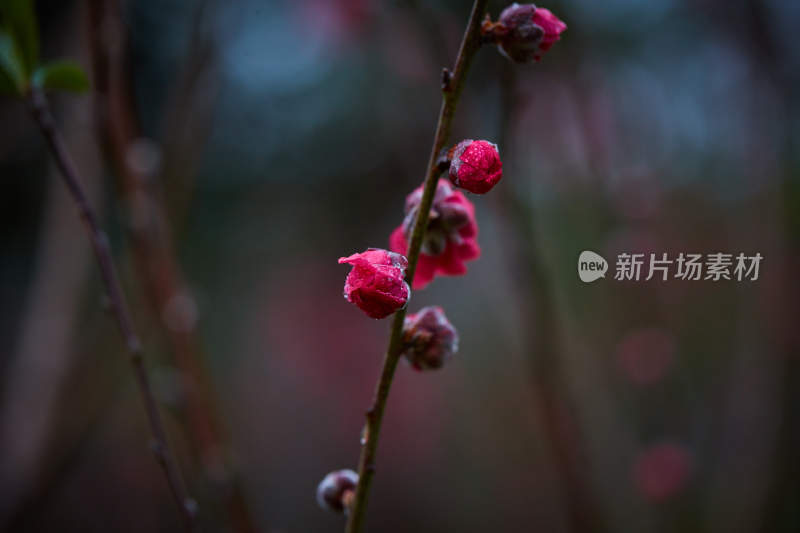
(452, 85)
(41, 113)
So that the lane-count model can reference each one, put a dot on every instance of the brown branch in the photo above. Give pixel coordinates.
(452, 85)
(44, 118)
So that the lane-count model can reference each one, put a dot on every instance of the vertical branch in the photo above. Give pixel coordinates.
(152, 243)
(44, 118)
(555, 412)
(452, 85)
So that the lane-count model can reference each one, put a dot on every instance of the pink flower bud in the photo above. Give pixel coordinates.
(336, 489)
(475, 166)
(376, 285)
(429, 339)
(525, 32)
(661, 471)
(451, 238)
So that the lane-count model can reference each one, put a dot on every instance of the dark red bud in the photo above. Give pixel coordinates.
(429, 339)
(524, 32)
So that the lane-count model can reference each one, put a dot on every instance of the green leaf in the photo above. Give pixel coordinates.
(19, 21)
(11, 64)
(61, 76)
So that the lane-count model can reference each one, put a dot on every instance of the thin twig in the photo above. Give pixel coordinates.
(44, 118)
(451, 91)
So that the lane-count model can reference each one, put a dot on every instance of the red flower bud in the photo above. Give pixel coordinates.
(450, 238)
(376, 285)
(334, 491)
(429, 339)
(525, 32)
(475, 166)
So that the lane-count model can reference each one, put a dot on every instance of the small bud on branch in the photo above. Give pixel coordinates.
(429, 339)
(523, 33)
(336, 490)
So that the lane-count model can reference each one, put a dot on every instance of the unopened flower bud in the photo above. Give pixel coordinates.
(377, 285)
(525, 32)
(475, 166)
(429, 339)
(336, 489)
(450, 238)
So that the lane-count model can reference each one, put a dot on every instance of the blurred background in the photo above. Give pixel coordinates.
(237, 149)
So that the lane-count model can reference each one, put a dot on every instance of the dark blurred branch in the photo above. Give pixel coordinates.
(41, 113)
(188, 116)
(153, 248)
(451, 91)
(555, 412)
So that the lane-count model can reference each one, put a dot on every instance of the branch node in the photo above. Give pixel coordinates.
(158, 449)
(447, 78)
(443, 163)
(190, 504)
(135, 348)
